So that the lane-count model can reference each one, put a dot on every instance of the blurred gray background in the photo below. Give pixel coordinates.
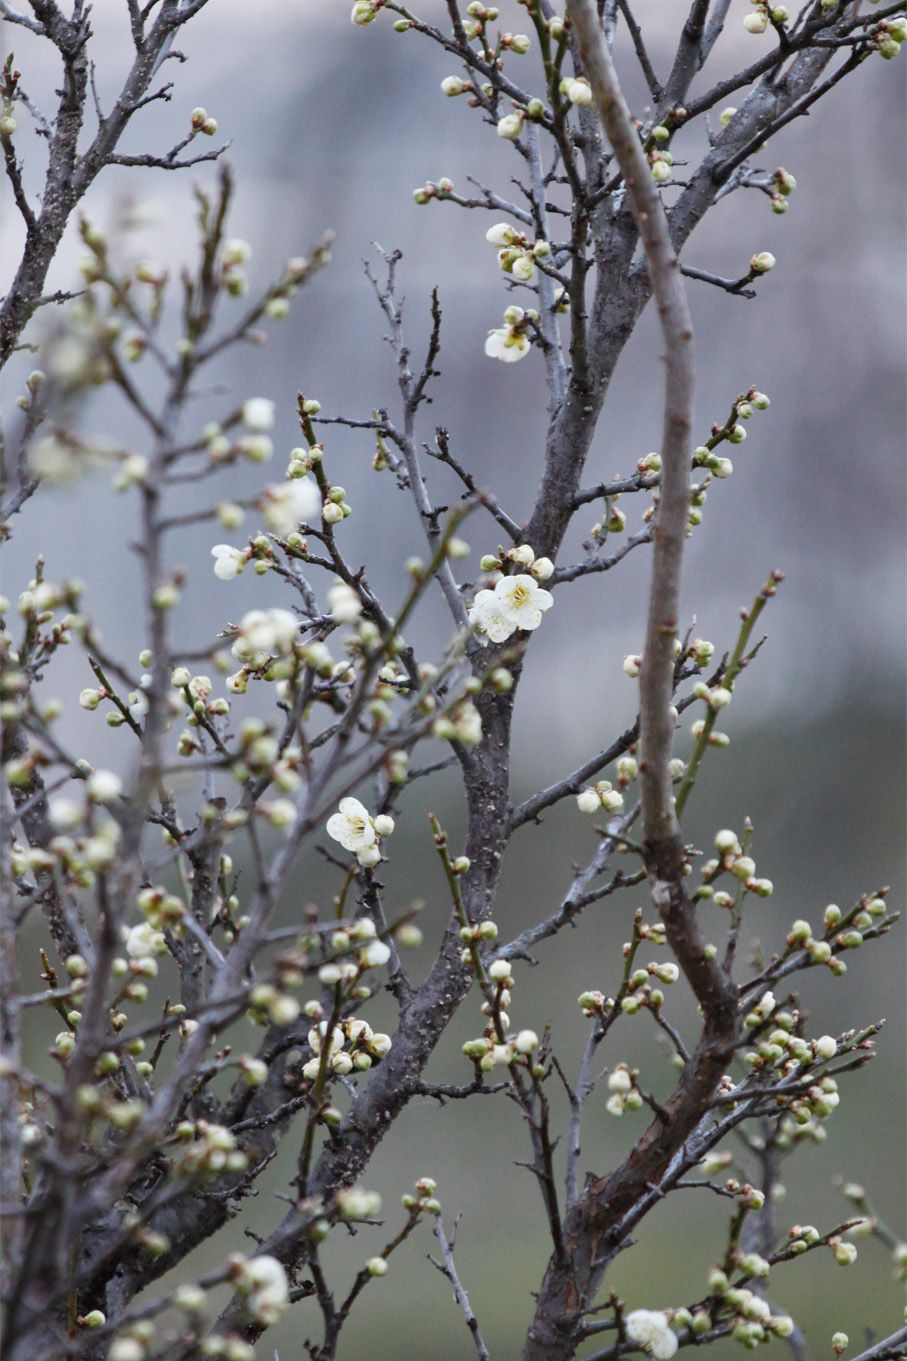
(333, 127)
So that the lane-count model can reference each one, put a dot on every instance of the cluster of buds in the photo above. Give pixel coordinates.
(268, 1005)
(517, 255)
(488, 1052)
(463, 724)
(424, 1201)
(161, 908)
(782, 186)
(8, 122)
(477, 17)
(477, 933)
(440, 189)
(639, 992)
(615, 522)
(751, 1315)
(79, 857)
(759, 18)
(594, 1003)
(496, 1048)
(577, 90)
(206, 1150)
(624, 1094)
(234, 256)
(660, 158)
(521, 558)
(888, 35)
(361, 937)
(518, 43)
(842, 932)
(598, 796)
(716, 697)
(202, 121)
(731, 860)
(351, 1046)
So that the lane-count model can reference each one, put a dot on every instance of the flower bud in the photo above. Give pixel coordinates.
(763, 262)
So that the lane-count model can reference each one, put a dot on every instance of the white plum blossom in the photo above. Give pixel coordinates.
(651, 1329)
(516, 602)
(344, 603)
(509, 126)
(143, 942)
(522, 600)
(489, 620)
(258, 415)
(501, 234)
(269, 1290)
(356, 830)
(104, 786)
(374, 955)
(352, 826)
(289, 504)
(507, 344)
(263, 634)
(65, 814)
(228, 561)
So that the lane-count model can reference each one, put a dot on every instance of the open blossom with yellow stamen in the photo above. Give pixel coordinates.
(517, 602)
(509, 342)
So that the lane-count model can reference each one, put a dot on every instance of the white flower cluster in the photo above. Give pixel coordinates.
(356, 830)
(263, 1282)
(510, 341)
(263, 634)
(650, 1328)
(344, 604)
(516, 254)
(144, 942)
(286, 505)
(516, 601)
(352, 1046)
